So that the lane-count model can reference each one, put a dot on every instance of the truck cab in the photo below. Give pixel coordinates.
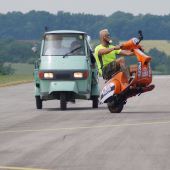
(66, 69)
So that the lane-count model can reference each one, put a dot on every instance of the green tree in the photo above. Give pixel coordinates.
(30, 26)
(160, 61)
(6, 69)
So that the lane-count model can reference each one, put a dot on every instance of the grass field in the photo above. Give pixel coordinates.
(14, 80)
(23, 69)
(161, 45)
(23, 74)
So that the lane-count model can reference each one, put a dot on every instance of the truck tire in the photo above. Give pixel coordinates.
(38, 102)
(63, 101)
(95, 102)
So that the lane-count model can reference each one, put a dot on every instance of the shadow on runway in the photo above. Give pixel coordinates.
(76, 108)
(106, 109)
(145, 112)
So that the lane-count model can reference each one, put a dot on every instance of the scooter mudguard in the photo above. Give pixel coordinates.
(63, 86)
(107, 92)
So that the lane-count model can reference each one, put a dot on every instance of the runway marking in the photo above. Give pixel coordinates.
(86, 127)
(18, 168)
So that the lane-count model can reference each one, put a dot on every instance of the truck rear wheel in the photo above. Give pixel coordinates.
(63, 101)
(38, 102)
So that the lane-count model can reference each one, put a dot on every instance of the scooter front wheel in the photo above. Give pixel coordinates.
(63, 101)
(115, 109)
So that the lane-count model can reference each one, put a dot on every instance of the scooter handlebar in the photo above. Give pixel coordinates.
(133, 43)
(140, 36)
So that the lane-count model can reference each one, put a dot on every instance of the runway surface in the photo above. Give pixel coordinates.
(83, 138)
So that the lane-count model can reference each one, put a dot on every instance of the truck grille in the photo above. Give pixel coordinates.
(63, 76)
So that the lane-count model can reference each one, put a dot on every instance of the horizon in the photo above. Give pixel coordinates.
(26, 12)
(95, 7)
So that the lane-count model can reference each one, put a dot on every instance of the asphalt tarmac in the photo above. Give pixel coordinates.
(83, 138)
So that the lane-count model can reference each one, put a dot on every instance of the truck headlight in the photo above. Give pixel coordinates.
(78, 75)
(48, 75)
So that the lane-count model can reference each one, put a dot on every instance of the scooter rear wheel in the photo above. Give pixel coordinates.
(63, 101)
(115, 109)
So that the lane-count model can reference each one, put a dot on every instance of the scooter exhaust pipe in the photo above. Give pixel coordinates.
(146, 89)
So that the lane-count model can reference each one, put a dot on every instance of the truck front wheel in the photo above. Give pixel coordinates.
(63, 101)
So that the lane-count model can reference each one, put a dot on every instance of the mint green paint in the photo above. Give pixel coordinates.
(37, 91)
(83, 89)
(63, 86)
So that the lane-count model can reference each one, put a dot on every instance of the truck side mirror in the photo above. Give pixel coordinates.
(34, 49)
(88, 39)
(93, 60)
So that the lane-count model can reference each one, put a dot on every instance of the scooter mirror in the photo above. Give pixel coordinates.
(140, 35)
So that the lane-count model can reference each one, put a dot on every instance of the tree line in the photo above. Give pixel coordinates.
(17, 51)
(30, 26)
(19, 32)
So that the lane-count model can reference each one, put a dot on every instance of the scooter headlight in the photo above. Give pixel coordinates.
(78, 75)
(48, 75)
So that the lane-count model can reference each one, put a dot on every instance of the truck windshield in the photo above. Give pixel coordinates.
(62, 44)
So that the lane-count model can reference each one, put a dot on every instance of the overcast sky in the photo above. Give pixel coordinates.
(106, 7)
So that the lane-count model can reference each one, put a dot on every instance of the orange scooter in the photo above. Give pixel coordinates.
(120, 87)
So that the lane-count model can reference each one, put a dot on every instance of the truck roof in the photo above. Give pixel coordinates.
(65, 31)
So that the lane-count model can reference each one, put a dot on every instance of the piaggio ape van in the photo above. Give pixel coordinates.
(66, 69)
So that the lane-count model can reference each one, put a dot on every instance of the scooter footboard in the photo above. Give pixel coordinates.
(107, 92)
(111, 88)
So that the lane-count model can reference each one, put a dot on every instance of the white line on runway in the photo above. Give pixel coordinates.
(18, 168)
(86, 127)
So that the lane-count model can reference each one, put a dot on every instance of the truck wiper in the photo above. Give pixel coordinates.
(72, 51)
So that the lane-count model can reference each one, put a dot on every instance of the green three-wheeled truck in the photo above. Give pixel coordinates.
(66, 69)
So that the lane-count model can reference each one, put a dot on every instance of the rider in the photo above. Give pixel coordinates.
(105, 55)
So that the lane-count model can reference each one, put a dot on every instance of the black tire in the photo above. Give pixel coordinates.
(115, 109)
(63, 101)
(38, 102)
(95, 102)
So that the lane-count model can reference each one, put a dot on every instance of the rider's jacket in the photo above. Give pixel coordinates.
(105, 59)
